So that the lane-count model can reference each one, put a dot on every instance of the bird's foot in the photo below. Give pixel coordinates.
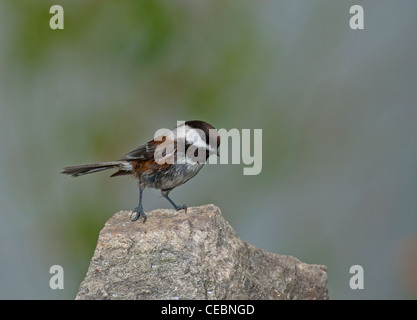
(139, 212)
(181, 208)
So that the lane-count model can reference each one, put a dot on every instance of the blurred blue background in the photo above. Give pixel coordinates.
(337, 108)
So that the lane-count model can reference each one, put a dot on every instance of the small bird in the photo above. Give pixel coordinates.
(163, 163)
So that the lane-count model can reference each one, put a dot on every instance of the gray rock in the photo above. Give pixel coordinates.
(197, 255)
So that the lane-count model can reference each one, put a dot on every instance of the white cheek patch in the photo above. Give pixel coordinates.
(197, 138)
(193, 136)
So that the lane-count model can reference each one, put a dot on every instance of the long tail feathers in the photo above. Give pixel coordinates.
(80, 170)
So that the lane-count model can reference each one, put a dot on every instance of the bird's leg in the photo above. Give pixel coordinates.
(139, 209)
(165, 195)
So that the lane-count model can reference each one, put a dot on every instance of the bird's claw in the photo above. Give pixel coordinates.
(182, 207)
(139, 212)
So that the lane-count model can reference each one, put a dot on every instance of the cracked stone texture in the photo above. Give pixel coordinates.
(197, 255)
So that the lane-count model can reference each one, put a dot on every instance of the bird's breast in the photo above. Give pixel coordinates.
(166, 176)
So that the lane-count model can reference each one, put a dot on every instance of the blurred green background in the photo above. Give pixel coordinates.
(337, 108)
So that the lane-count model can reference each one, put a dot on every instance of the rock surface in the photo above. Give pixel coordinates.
(197, 255)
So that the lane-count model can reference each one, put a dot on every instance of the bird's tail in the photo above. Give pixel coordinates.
(80, 170)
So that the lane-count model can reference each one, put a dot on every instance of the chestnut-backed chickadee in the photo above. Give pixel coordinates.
(164, 163)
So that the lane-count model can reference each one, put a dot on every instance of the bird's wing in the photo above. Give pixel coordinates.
(147, 151)
(140, 153)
